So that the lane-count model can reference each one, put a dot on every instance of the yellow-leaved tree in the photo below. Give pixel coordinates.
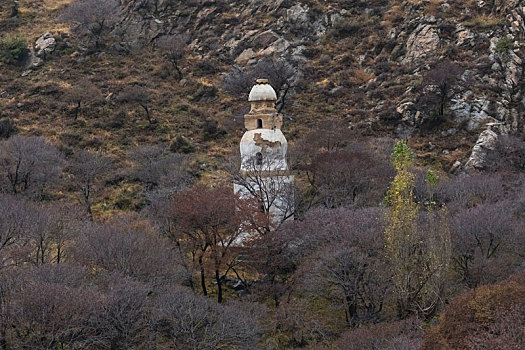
(417, 240)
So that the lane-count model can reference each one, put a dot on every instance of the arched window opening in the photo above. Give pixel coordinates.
(259, 123)
(258, 158)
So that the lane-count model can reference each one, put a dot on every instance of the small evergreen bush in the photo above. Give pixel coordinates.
(181, 145)
(504, 45)
(13, 50)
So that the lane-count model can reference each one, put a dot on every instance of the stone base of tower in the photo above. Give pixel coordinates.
(275, 191)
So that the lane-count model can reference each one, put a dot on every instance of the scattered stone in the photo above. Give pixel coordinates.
(464, 36)
(448, 132)
(336, 90)
(455, 167)
(26, 72)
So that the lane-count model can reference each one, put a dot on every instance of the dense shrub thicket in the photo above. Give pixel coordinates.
(169, 272)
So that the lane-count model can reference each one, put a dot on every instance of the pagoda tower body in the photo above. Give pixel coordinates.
(264, 171)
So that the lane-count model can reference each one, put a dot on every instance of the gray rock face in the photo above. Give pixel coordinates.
(423, 41)
(45, 45)
(485, 143)
(264, 39)
(289, 26)
(245, 56)
(298, 14)
(517, 21)
(474, 112)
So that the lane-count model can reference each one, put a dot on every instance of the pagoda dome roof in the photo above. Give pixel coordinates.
(262, 91)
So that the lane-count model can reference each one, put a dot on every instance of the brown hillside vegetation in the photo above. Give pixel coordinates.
(487, 317)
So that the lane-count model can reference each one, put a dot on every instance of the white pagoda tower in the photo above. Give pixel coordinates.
(264, 171)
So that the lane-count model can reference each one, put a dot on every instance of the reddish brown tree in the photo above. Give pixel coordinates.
(208, 227)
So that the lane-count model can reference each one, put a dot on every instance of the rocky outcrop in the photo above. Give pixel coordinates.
(471, 110)
(485, 143)
(45, 45)
(242, 33)
(267, 27)
(423, 41)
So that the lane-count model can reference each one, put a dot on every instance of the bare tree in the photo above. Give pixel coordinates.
(162, 172)
(281, 75)
(48, 315)
(126, 314)
(483, 237)
(466, 191)
(356, 275)
(180, 317)
(173, 47)
(28, 164)
(16, 224)
(443, 77)
(139, 95)
(63, 222)
(81, 93)
(276, 195)
(406, 334)
(93, 19)
(88, 169)
(207, 223)
(348, 177)
(508, 155)
(129, 246)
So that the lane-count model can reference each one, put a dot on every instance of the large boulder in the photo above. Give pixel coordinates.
(45, 45)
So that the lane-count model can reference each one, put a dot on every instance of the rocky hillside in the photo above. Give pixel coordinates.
(438, 72)
(119, 121)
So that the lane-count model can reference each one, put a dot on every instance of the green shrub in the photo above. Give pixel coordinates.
(504, 45)
(181, 145)
(13, 50)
